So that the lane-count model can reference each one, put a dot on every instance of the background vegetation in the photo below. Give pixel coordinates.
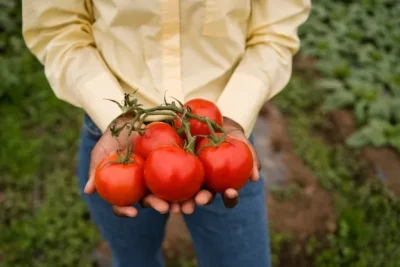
(354, 50)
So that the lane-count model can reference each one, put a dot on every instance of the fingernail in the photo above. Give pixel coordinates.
(131, 213)
(163, 211)
(211, 200)
(85, 189)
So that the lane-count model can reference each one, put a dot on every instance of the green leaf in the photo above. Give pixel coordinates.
(360, 110)
(330, 84)
(393, 130)
(342, 70)
(381, 108)
(395, 108)
(372, 134)
(385, 126)
(358, 140)
(394, 141)
(339, 99)
(363, 89)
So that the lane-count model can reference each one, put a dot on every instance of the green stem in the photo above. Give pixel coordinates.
(213, 134)
(190, 146)
(132, 106)
(205, 119)
(139, 126)
(176, 110)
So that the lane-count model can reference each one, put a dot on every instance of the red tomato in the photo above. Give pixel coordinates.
(204, 108)
(120, 184)
(173, 174)
(227, 165)
(157, 134)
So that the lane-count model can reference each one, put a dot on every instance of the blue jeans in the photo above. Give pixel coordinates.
(222, 237)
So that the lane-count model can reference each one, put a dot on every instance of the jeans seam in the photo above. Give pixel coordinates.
(91, 128)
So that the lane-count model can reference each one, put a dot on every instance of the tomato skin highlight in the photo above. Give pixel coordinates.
(228, 165)
(120, 184)
(203, 108)
(156, 134)
(173, 174)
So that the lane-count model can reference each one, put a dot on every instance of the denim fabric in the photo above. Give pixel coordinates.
(222, 237)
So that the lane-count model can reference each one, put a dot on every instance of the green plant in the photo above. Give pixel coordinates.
(368, 214)
(356, 45)
(43, 221)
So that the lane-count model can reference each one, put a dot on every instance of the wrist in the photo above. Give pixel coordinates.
(230, 124)
(119, 122)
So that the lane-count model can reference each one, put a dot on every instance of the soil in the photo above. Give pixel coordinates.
(177, 240)
(387, 165)
(311, 210)
(384, 161)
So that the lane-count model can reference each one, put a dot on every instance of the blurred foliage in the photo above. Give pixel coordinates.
(43, 221)
(368, 214)
(357, 47)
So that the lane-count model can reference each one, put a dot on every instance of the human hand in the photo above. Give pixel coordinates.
(235, 130)
(230, 196)
(106, 145)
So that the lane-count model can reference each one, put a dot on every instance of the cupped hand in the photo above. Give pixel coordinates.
(106, 145)
(230, 196)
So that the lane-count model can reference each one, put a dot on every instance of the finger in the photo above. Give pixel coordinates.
(230, 198)
(255, 174)
(188, 206)
(96, 156)
(204, 197)
(90, 187)
(94, 160)
(156, 203)
(231, 193)
(126, 211)
(175, 208)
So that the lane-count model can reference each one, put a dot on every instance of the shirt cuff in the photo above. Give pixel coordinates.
(242, 100)
(94, 95)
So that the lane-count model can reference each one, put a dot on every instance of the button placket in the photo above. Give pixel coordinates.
(171, 56)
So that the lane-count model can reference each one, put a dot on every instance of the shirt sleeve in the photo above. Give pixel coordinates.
(58, 33)
(266, 65)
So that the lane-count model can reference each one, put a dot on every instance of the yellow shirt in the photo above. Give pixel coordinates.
(236, 53)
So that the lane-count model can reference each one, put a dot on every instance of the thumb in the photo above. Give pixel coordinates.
(90, 185)
(255, 174)
(98, 153)
(106, 145)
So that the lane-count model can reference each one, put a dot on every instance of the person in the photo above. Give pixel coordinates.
(236, 53)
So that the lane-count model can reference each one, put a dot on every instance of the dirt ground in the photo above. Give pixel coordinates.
(385, 161)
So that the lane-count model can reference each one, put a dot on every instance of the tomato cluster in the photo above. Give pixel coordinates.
(162, 164)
